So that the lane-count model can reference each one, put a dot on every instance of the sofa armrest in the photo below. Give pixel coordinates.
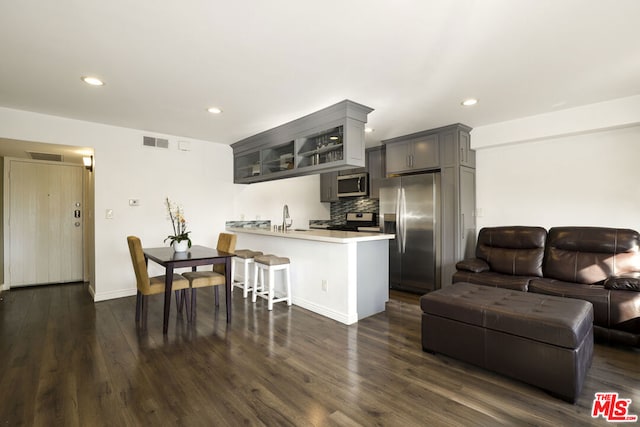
(625, 282)
(475, 265)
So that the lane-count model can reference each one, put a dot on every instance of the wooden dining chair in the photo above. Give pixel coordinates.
(152, 285)
(216, 277)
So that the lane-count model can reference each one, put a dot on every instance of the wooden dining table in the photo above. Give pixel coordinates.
(193, 257)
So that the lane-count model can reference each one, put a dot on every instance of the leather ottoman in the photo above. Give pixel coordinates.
(542, 340)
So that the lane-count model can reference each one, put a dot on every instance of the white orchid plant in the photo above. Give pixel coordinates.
(179, 223)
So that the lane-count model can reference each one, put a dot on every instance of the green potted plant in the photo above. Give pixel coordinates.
(180, 239)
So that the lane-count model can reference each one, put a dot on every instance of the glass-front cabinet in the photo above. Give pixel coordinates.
(327, 140)
(278, 159)
(321, 148)
(246, 166)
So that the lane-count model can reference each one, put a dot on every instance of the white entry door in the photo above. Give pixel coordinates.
(45, 223)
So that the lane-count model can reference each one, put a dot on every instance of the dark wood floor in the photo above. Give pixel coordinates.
(67, 361)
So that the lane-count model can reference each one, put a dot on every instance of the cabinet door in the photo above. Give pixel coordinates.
(246, 166)
(467, 193)
(424, 153)
(376, 168)
(329, 187)
(397, 157)
(467, 155)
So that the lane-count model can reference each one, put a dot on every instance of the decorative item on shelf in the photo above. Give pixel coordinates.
(180, 238)
(286, 161)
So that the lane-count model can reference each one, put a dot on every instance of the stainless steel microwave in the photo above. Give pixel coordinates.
(352, 185)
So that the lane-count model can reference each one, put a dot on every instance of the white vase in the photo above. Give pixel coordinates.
(181, 246)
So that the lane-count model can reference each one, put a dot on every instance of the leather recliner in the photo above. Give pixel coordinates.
(506, 257)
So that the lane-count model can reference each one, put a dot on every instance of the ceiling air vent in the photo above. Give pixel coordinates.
(150, 141)
(51, 157)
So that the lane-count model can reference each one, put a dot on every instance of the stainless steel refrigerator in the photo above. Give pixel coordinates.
(409, 208)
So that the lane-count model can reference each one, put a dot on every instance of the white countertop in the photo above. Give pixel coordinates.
(329, 236)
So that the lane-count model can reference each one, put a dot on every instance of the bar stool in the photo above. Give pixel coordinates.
(270, 263)
(244, 257)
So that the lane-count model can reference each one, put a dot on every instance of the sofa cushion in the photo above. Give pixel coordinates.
(611, 308)
(514, 250)
(590, 255)
(496, 280)
(595, 294)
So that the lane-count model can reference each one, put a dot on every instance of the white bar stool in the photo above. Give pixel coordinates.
(271, 263)
(244, 257)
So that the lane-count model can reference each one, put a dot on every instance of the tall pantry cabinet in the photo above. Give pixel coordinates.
(448, 150)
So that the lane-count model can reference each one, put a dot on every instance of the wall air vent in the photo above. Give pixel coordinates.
(150, 141)
(50, 157)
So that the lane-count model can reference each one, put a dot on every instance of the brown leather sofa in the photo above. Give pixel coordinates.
(596, 264)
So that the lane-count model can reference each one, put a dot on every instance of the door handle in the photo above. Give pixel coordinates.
(398, 222)
(404, 221)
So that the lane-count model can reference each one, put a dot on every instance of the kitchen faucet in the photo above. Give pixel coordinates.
(286, 219)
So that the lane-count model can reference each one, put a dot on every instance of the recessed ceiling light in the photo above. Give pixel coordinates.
(214, 110)
(93, 81)
(469, 102)
(368, 130)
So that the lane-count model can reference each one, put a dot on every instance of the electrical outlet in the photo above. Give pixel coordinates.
(134, 202)
(325, 285)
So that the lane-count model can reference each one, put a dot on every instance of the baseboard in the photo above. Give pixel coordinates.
(104, 296)
(327, 312)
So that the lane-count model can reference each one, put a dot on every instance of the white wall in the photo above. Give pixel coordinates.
(564, 168)
(200, 179)
(265, 201)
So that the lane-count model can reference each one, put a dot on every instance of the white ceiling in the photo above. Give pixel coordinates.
(268, 62)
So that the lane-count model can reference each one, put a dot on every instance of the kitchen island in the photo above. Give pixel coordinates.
(342, 275)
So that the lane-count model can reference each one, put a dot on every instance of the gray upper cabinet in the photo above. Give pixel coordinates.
(325, 141)
(329, 187)
(376, 166)
(467, 155)
(416, 154)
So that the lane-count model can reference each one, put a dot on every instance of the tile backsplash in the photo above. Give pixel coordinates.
(353, 204)
(248, 224)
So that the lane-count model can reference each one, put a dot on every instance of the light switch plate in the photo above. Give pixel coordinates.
(108, 214)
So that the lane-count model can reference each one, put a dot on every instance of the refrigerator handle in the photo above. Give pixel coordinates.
(403, 220)
(398, 222)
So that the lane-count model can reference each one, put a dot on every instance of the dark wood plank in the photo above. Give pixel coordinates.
(69, 361)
